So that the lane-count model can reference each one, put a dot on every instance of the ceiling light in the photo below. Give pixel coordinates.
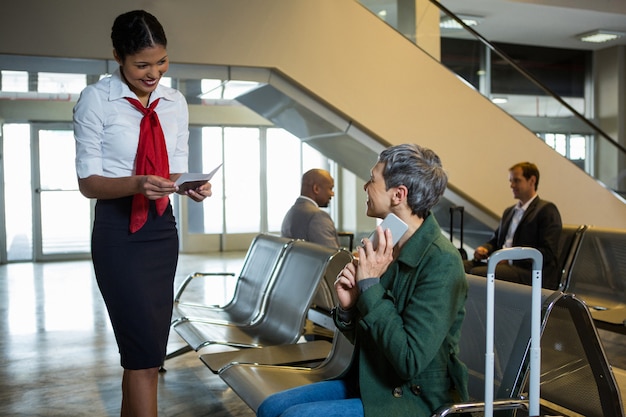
(600, 35)
(499, 100)
(448, 22)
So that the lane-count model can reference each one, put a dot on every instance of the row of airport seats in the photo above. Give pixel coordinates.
(575, 376)
(593, 261)
(279, 282)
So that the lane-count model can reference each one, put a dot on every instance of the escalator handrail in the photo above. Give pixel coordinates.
(527, 75)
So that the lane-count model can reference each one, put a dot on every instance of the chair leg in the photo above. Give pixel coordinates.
(179, 352)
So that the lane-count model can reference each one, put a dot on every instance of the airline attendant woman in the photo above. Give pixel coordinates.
(131, 145)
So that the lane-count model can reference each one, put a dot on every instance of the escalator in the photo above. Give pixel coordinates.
(350, 147)
(349, 85)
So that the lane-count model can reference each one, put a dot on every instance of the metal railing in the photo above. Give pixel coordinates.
(552, 117)
(600, 149)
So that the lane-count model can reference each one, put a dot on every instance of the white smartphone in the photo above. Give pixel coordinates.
(393, 223)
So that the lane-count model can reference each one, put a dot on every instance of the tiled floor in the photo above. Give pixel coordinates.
(58, 356)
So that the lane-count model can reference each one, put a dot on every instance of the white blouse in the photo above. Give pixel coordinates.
(106, 128)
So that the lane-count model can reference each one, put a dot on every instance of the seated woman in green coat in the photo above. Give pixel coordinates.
(401, 306)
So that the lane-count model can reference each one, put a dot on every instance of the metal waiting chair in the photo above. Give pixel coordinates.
(576, 378)
(597, 276)
(253, 382)
(300, 354)
(247, 304)
(293, 285)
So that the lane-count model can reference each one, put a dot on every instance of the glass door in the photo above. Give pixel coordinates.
(62, 216)
(16, 169)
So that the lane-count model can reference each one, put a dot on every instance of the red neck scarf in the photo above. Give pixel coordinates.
(151, 160)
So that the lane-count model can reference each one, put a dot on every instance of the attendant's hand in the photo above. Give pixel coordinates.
(200, 193)
(155, 187)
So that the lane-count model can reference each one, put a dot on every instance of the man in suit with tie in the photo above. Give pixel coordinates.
(531, 222)
(306, 219)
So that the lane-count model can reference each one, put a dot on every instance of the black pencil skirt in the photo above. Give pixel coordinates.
(135, 274)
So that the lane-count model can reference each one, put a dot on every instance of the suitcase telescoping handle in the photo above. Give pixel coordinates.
(506, 254)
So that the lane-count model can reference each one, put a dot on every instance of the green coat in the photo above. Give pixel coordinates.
(407, 328)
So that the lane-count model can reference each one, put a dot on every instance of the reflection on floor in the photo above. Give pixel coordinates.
(59, 358)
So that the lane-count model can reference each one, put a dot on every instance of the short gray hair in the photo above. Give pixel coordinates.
(419, 170)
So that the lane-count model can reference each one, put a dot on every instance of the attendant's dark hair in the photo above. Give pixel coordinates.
(134, 31)
(419, 170)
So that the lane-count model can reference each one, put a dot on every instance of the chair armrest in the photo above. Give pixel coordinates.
(321, 318)
(195, 275)
(350, 236)
(291, 354)
(474, 407)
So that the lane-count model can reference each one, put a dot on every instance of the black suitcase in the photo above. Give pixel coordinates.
(461, 210)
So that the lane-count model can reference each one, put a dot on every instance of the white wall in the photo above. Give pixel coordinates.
(352, 61)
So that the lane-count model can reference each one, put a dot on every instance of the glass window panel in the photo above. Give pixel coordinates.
(311, 158)
(49, 82)
(17, 186)
(219, 89)
(464, 58)
(56, 159)
(65, 236)
(577, 147)
(211, 157)
(211, 89)
(242, 180)
(15, 81)
(60, 198)
(550, 140)
(560, 144)
(562, 70)
(235, 88)
(283, 175)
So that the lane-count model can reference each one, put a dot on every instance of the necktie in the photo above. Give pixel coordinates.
(517, 216)
(151, 159)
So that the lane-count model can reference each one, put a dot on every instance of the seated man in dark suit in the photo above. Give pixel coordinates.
(532, 222)
(305, 219)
